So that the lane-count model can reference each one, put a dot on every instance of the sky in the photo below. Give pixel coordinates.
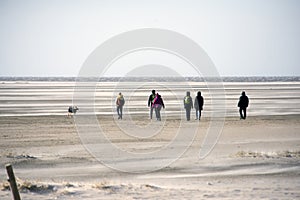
(242, 38)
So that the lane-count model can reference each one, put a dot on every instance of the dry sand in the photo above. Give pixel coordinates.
(258, 158)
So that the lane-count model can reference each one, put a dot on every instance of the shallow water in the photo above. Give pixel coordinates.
(29, 98)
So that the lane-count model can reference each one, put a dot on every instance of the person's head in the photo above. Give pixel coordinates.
(120, 93)
(188, 93)
(243, 93)
(153, 91)
(199, 93)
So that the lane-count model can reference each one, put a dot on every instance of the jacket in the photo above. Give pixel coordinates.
(199, 102)
(243, 102)
(188, 102)
(120, 100)
(158, 101)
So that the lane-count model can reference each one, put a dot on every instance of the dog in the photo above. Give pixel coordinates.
(72, 110)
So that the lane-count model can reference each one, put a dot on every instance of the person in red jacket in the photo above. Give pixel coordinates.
(158, 103)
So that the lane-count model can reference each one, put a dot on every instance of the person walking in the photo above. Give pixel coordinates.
(188, 105)
(243, 104)
(198, 105)
(150, 103)
(120, 103)
(158, 103)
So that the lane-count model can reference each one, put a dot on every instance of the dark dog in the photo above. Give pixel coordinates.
(72, 109)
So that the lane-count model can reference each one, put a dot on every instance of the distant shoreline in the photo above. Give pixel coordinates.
(157, 79)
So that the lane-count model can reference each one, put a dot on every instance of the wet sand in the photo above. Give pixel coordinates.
(19, 98)
(257, 158)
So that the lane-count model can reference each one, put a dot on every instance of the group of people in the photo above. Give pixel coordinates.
(156, 103)
(188, 105)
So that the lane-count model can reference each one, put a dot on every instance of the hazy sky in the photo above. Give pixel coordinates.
(242, 37)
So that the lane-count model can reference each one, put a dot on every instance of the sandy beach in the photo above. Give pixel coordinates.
(254, 159)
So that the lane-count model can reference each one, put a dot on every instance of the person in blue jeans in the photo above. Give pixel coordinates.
(120, 103)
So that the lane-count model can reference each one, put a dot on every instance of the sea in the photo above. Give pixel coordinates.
(40, 96)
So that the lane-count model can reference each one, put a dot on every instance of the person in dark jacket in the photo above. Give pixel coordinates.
(157, 104)
(188, 105)
(243, 104)
(198, 105)
(150, 103)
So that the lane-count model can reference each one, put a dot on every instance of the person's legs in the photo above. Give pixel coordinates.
(245, 114)
(151, 112)
(188, 114)
(121, 112)
(241, 113)
(118, 111)
(158, 113)
(197, 114)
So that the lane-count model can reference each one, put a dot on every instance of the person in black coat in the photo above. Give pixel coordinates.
(198, 105)
(243, 104)
(150, 102)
